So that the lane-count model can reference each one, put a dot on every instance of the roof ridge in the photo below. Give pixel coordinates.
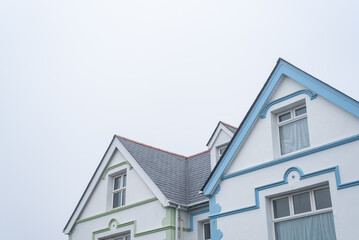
(198, 153)
(229, 125)
(146, 145)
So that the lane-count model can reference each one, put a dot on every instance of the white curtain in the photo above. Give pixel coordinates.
(317, 227)
(294, 136)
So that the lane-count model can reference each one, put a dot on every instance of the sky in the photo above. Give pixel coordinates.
(74, 73)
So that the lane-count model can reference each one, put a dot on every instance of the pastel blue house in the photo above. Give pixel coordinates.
(291, 171)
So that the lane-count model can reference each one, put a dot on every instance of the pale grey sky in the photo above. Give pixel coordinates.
(73, 73)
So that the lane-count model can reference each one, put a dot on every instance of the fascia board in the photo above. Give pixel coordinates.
(282, 68)
(148, 181)
(216, 133)
(115, 144)
(90, 187)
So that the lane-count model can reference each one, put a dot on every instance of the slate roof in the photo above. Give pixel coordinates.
(179, 178)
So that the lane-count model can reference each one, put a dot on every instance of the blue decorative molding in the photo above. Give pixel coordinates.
(195, 214)
(285, 181)
(303, 78)
(292, 157)
(304, 91)
(215, 208)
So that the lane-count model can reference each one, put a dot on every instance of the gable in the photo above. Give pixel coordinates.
(282, 69)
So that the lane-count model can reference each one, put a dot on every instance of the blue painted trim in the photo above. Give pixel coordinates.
(195, 214)
(215, 208)
(216, 234)
(304, 91)
(206, 204)
(285, 181)
(292, 157)
(282, 68)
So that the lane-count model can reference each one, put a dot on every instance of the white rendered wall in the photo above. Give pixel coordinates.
(326, 123)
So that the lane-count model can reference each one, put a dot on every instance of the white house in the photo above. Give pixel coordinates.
(291, 171)
(288, 172)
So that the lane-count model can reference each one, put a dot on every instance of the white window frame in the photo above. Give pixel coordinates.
(120, 190)
(291, 216)
(117, 237)
(204, 232)
(222, 147)
(293, 118)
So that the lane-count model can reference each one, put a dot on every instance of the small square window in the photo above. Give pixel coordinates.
(281, 207)
(301, 203)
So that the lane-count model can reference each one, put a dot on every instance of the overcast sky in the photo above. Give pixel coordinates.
(73, 73)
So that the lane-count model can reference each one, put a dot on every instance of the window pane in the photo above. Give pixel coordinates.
(284, 117)
(207, 231)
(116, 199)
(117, 184)
(119, 238)
(301, 203)
(300, 111)
(294, 136)
(124, 180)
(322, 198)
(123, 197)
(127, 237)
(281, 207)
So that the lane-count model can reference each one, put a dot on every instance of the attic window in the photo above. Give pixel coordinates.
(119, 190)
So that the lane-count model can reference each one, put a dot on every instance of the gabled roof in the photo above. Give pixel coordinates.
(221, 125)
(282, 68)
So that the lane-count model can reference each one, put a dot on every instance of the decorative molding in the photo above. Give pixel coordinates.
(170, 220)
(285, 181)
(303, 91)
(215, 208)
(117, 210)
(292, 156)
(134, 223)
(103, 177)
(282, 68)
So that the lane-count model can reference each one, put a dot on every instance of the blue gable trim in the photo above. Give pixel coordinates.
(282, 68)
(195, 214)
(285, 181)
(304, 91)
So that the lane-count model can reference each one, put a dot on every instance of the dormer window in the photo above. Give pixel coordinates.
(119, 190)
(221, 150)
(293, 130)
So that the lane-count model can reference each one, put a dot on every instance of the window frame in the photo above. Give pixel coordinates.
(292, 119)
(313, 206)
(204, 231)
(122, 235)
(219, 148)
(120, 190)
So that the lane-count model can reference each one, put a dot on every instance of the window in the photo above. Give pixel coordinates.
(305, 215)
(119, 191)
(221, 150)
(206, 231)
(122, 237)
(293, 130)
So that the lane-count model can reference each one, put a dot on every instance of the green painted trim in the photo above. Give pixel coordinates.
(117, 210)
(135, 234)
(170, 220)
(113, 167)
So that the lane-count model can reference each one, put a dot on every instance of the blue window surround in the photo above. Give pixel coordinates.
(304, 91)
(303, 78)
(195, 214)
(285, 181)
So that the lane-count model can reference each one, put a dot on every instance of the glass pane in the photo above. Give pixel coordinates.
(300, 111)
(119, 238)
(116, 199)
(322, 198)
(281, 207)
(207, 231)
(127, 237)
(117, 184)
(301, 203)
(294, 136)
(123, 197)
(284, 117)
(124, 180)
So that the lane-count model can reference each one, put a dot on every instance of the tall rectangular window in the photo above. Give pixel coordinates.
(206, 231)
(119, 191)
(293, 130)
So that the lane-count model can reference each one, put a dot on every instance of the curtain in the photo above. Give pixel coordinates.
(316, 227)
(294, 136)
